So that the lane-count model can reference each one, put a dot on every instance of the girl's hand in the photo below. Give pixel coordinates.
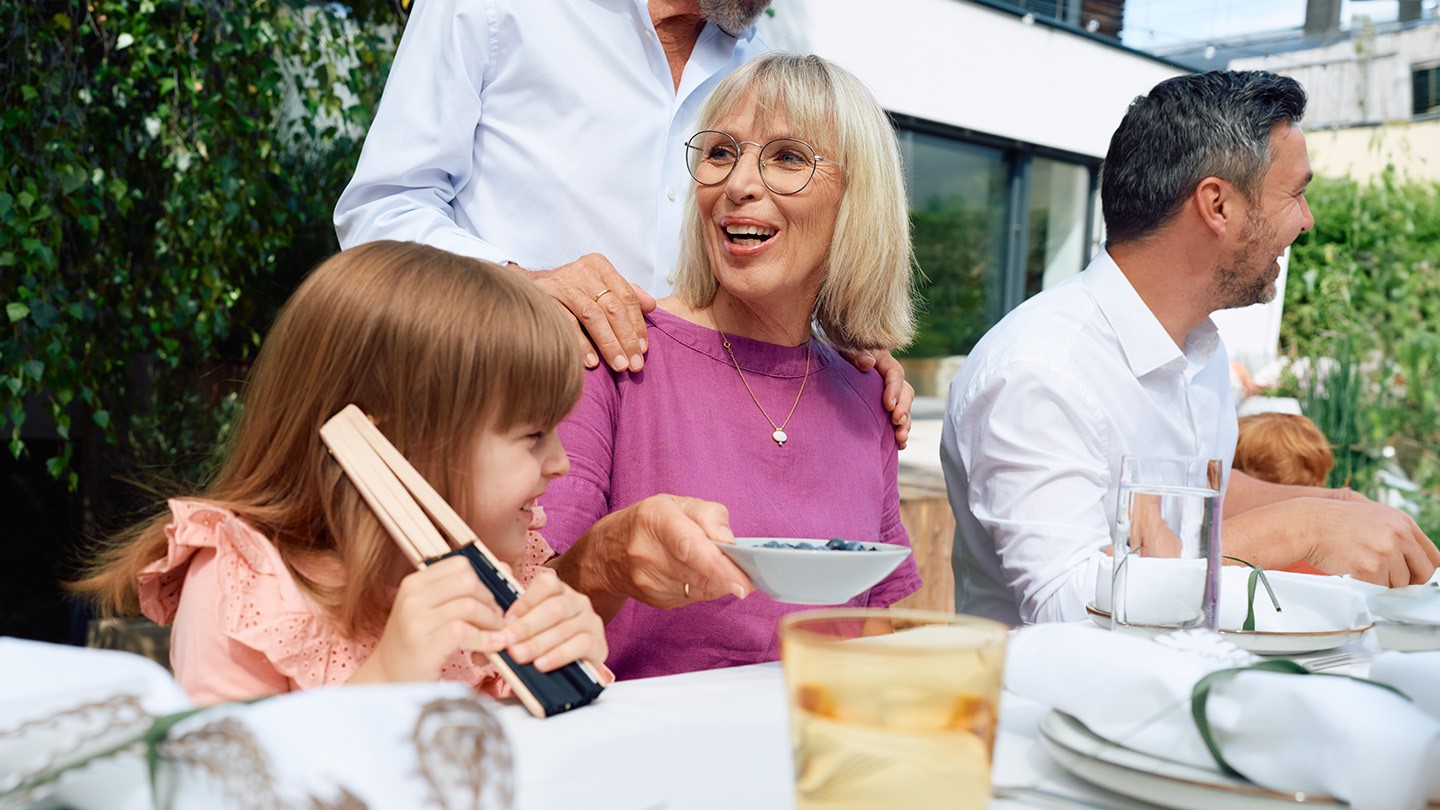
(437, 610)
(552, 625)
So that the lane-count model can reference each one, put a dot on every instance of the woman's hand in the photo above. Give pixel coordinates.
(657, 551)
(552, 625)
(437, 610)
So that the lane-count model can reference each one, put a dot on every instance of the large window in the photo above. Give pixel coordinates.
(1426, 81)
(958, 211)
(1059, 216)
(994, 223)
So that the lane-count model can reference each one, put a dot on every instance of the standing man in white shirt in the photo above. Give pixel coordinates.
(1203, 188)
(549, 135)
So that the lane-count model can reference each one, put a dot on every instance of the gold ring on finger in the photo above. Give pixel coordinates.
(687, 591)
(600, 295)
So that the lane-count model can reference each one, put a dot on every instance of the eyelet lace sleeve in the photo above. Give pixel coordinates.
(261, 607)
(258, 604)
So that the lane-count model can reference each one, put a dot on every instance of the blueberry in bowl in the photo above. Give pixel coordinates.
(807, 571)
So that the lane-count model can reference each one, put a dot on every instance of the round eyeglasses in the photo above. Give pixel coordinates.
(786, 164)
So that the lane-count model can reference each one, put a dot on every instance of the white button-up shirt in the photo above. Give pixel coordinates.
(534, 132)
(1035, 426)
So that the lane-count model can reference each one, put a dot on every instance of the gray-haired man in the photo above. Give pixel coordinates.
(1203, 188)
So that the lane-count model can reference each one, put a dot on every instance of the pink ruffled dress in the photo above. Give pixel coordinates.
(242, 628)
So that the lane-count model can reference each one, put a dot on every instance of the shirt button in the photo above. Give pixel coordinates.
(670, 194)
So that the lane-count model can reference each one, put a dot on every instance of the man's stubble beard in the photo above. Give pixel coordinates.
(1238, 283)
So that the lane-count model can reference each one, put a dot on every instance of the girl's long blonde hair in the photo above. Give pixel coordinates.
(431, 345)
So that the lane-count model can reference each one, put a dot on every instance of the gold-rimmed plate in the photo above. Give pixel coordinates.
(1262, 643)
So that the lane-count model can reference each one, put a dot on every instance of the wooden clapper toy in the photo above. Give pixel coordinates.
(416, 516)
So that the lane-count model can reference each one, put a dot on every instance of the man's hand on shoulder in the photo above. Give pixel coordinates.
(898, 396)
(608, 312)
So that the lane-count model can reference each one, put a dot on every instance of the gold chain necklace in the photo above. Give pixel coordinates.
(779, 433)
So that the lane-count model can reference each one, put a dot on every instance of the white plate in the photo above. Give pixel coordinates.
(1261, 643)
(813, 577)
(1149, 778)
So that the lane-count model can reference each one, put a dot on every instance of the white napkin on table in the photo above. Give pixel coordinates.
(1315, 734)
(1308, 603)
(1413, 604)
(400, 745)
(60, 705)
(1417, 674)
(395, 745)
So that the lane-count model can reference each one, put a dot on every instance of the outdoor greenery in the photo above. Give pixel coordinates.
(1361, 312)
(955, 248)
(167, 173)
(168, 169)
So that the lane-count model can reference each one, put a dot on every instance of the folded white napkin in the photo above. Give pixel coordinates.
(1416, 674)
(1308, 603)
(1315, 734)
(396, 745)
(402, 745)
(1414, 604)
(60, 705)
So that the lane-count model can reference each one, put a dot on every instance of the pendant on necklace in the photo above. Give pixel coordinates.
(779, 437)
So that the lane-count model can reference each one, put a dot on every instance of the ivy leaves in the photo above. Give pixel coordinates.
(160, 162)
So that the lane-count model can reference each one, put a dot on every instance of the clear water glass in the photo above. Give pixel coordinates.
(1166, 546)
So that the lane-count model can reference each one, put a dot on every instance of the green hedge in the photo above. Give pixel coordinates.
(1364, 292)
(167, 171)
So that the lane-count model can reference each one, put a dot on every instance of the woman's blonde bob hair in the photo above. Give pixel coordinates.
(435, 348)
(866, 298)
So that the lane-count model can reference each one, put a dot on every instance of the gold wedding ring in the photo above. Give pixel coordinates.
(600, 295)
(687, 591)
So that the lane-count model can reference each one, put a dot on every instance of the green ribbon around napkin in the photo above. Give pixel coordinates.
(1200, 696)
(151, 738)
(1256, 574)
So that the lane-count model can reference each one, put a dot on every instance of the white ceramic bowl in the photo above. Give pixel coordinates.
(813, 577)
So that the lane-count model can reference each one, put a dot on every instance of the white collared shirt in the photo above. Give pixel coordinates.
(1036, 423)
(534, 132)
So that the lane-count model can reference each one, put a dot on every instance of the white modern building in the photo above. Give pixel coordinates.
(1005, 111)
(1374, 87)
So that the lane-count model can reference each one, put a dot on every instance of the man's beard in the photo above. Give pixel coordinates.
(1241, 282)
(734, 17)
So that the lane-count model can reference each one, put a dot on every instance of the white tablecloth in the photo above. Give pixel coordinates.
(716, 739)
(720, 739)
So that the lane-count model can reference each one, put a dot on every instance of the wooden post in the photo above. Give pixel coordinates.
(925, 511)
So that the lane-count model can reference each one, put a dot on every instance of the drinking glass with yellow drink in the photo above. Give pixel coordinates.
(892, 708)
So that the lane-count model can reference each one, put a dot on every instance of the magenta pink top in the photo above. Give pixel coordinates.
(685, 425)
(244, 629)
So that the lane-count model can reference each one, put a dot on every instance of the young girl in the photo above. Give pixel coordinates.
(1284, 448)
(278, 577)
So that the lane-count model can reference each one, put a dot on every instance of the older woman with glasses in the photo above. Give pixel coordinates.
(796, 245)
